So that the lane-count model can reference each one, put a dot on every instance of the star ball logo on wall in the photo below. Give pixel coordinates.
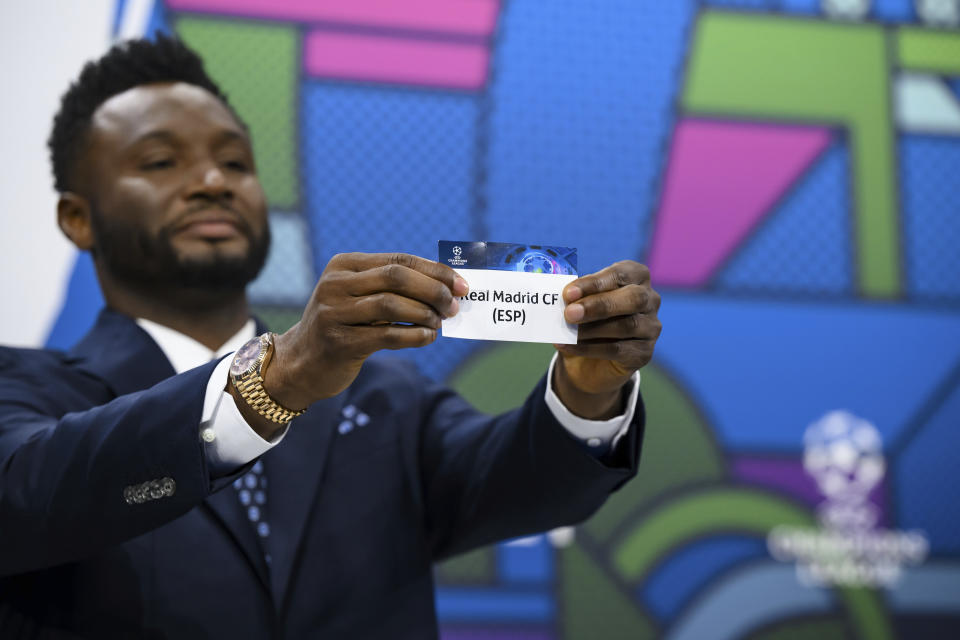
(844, 454)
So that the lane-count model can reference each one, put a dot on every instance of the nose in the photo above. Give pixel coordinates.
(209, 181)
(213, 178)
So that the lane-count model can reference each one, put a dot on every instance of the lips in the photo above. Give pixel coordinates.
(214, 224)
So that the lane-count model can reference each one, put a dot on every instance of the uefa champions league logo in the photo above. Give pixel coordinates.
(457, 260)
(844, 454)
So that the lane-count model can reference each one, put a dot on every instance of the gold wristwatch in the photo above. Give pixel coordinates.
(246, 372)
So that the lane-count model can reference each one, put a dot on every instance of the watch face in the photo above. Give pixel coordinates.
(245, 357)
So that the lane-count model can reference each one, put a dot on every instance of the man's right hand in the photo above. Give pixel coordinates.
(353, 312)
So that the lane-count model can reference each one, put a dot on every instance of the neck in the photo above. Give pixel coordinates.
(209, 317)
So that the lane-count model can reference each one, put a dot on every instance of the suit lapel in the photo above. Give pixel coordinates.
(227, 509)
(123, 355)
(294, 470)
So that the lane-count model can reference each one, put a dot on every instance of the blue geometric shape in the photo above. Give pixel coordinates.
(582, 97)
(761, 371)
(931, 216)
(502, 605)
(526, 563)
(82, 302)
(894, 10)
(158, 21)
(385, 170)
(926, 478)
(440, 359)
(681, 575)
(931, 588)
(746, 600)
(803, 7)
(118, 8)
(388, 170)
(288, 278)
(763, 5)
(804, 245)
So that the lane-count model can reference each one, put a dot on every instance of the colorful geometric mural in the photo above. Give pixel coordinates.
(789, 169)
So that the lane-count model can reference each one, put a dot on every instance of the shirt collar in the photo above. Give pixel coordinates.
(185, 353)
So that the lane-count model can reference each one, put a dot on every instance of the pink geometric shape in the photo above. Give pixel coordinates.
(350, 56)
(722, 179)
(461, 17)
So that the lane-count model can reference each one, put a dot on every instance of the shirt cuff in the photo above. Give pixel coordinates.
(600, 436)
(229, 442)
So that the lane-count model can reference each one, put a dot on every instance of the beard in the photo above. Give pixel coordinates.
(150, 261)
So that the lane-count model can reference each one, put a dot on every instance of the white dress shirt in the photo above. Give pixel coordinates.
(231, 442)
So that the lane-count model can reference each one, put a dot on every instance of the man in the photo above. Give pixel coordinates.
(153, 483)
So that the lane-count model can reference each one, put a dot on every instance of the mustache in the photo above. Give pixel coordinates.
(211, 203)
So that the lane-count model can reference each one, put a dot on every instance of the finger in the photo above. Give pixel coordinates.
(386, 308)
(638, 326)
(625, 301)
(616, 275)
(394, 337)
(630, 353)
(441, 272)
(406, 282)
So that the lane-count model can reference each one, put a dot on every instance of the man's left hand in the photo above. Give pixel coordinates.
(616, 311)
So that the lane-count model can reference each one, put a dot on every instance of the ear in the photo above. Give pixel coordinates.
(73, 216)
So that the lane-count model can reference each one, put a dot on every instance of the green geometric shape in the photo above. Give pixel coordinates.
(678, 451)
(277, 319)
(868, 615)
(474, 568)
(593, 606)
(936, 51)
(711, 511)
(501, 377)
(257, 66)
(812, 71)
(717, 510)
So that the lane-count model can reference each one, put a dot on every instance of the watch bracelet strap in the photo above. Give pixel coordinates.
(252, 391)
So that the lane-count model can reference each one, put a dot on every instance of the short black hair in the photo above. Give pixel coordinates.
(126, 65)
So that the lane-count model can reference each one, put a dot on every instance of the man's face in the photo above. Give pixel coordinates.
(173, 190)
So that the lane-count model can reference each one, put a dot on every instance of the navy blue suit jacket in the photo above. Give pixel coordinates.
(357, 518)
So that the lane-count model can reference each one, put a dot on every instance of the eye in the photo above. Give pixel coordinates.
(237, 165)
(157, 164)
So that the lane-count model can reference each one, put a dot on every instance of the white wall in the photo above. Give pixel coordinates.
(43, 45)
